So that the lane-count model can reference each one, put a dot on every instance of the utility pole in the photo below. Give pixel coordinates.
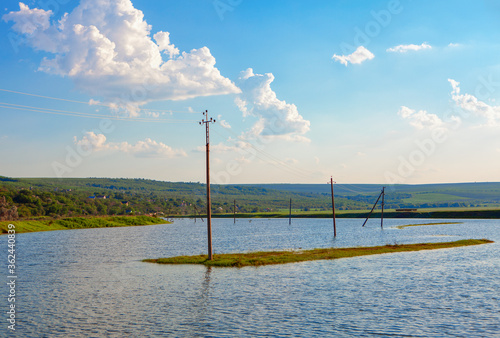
(234, 211)
(207, 122)
(382, 194)
(333, 209)
(382, 215)
(290, 214)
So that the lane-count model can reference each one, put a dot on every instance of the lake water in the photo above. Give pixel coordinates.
(92, 283)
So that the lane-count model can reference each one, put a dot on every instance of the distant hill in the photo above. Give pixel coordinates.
(101, 196)
(406, 195)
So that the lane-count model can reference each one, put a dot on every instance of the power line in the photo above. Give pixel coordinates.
(298, 171)
(42, 96)
(95, 103)
(271, 159)
(86, 115)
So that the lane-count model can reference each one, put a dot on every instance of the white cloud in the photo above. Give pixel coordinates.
(147, 148)
(223, 123)
(471, 104)
(406, 48)
(105, 47)
(163, 41)
(421, 119)
(29, 21)
(360, 54)
(276, 118)
(454, 45)
(92, 142)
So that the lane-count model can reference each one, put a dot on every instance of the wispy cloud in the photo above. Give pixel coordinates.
(473, 105)
(406, 48)
(360, 54)
(222, 148)
(106, 48)
(420, 119)
(147, 148)
(223, 123)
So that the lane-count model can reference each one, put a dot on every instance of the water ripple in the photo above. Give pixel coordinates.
(91, 283)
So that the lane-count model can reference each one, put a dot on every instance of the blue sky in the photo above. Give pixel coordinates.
(367, 91)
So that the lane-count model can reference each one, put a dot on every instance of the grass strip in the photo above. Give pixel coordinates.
(283, 257)
(417, 225)
(79, 223)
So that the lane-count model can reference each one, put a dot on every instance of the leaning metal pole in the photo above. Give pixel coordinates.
(366, 220)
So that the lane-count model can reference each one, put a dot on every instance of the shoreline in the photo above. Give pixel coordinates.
(71, 223)
(425, 213)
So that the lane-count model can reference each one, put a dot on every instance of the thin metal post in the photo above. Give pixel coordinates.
(234, 211)
(209, 202)
(382, 215)
(333, 210)
(290, 214)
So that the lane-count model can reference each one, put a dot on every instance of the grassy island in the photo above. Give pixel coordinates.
(282, 257)
(422, 224)
(48, 224)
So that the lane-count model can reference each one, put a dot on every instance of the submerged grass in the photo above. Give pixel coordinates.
(79, 223)
(282, 257)
(416, 225)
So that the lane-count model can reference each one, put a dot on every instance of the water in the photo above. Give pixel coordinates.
(92, 283)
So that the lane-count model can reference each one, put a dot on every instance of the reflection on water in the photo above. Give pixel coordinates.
(92, 282)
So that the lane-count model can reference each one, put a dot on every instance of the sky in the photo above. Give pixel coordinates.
(379, 92)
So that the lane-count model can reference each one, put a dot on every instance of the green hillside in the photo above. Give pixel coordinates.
(107, 196)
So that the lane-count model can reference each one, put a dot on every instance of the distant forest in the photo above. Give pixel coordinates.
(32, 197)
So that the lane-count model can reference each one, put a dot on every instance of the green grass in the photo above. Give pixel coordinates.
(282, 257)
(421, 224)
(46, 224)
(432, 197)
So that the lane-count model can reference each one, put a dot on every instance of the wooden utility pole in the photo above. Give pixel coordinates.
(207, 122)
(234, 211)
(333, 209)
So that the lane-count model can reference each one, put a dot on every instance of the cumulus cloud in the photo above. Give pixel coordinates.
(106, 48)
(473, 105)
(147, 148)
(421, 119)
(360, 54)
(406, 48)
(276, 118)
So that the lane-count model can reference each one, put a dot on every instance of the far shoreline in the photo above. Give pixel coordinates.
(447, 213)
